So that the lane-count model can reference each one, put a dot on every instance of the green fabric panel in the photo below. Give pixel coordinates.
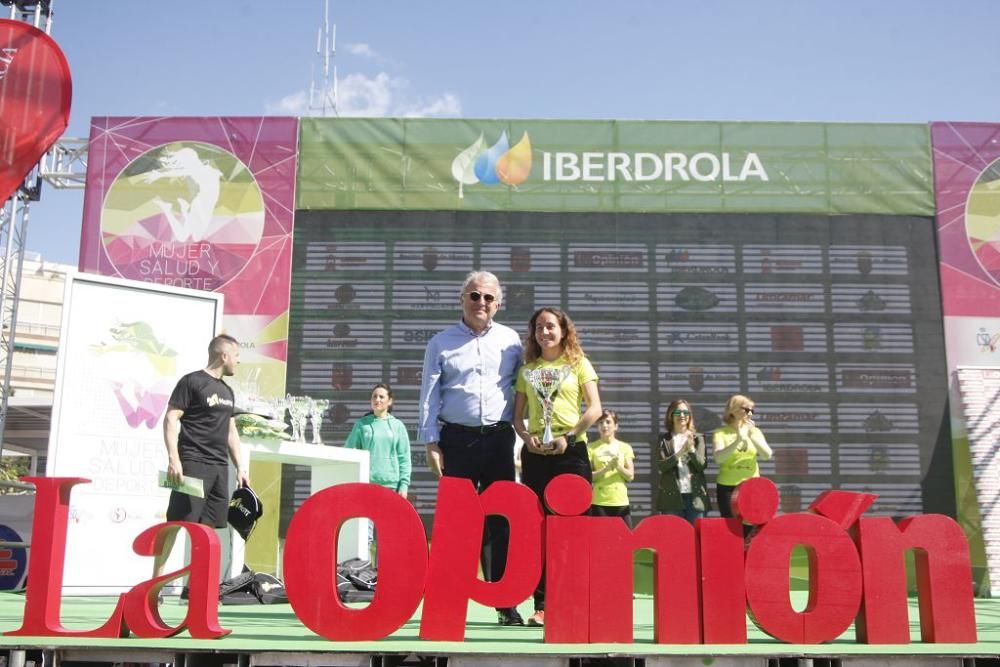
(392, 164)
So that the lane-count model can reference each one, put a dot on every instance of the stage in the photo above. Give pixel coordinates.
(272, 635)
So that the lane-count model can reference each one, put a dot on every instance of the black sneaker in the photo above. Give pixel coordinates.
(509, 616)
(184, 593)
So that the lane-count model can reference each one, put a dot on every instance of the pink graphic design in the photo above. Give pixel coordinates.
(140, 405)
(204, 203)
(148, 365)
(967, 189)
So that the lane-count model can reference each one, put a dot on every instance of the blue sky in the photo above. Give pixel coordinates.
(853, 60)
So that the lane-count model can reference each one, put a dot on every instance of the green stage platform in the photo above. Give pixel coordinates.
(275, 631)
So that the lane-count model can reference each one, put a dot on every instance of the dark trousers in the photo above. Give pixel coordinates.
(689, 513)
(538, 470)
(483, 458)
(623, 511)
(724, 494)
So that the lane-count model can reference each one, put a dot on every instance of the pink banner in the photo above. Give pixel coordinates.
(202, 203)
(967, 185)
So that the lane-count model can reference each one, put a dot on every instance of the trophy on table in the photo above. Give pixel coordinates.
(319, 408)
(546, 383)
(299, 408)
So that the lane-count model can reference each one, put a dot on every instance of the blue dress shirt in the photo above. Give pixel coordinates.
(468, 378)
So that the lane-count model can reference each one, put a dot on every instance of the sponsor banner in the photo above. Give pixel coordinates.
(979, 387)
(700, 337)
(897, 500)
(880, 338)
(785, 298)
(522, 257)
(345, 257)
(788, 378)
(892, 459)
(881, 379)
(625, 376)
(783, 260)
(322, 376)
(881, 299)
(342, 335)
(680, 379)
(688, 298)
(610, 166)
(123, 346)
(879, 418)
(201, 203)
(868, 260)
(966, 174)
(696, 261)
(786, 337)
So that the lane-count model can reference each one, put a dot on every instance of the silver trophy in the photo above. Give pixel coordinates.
(319, 408)
(546, 383)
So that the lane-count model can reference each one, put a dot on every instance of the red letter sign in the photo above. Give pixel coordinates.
(311, 562)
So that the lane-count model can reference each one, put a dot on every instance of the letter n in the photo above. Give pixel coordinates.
(611, 545)
(723, 586)
(310, 563)
(944, 580)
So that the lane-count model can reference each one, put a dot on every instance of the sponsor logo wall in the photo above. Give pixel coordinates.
(827, 321)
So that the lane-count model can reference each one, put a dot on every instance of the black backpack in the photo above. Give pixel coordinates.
(249, 587)
(356, 579)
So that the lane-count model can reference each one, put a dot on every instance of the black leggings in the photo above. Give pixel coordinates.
(538, 470)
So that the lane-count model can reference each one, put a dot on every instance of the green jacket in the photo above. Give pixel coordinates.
(388, 446)
(668, 495)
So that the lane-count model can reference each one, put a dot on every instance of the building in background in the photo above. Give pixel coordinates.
(36, 337)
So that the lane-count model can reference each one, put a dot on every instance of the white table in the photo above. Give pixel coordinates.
(328, 466)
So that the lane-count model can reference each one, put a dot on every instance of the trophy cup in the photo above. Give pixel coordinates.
(319, 408)
(299, 407)
(546, 382)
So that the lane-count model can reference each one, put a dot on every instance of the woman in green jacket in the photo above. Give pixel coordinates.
(388, 445)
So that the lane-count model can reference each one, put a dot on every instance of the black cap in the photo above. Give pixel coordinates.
(244, 510)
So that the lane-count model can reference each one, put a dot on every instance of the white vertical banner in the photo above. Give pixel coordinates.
(124, 344)
(980, 390)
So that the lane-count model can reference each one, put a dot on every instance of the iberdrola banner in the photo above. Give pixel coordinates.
(202, 203)
(614, 166)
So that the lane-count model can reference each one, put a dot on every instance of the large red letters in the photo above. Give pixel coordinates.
(704, 581)
(136, 609)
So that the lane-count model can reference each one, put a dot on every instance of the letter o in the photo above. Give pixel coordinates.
(834, 579)
(310, 562)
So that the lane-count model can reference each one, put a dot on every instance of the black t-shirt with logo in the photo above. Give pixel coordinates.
(208, 406)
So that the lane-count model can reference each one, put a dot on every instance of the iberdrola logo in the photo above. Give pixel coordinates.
(497, 164)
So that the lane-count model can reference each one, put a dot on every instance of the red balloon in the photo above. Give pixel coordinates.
(35, 94)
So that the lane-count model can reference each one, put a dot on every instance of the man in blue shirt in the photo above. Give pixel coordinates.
(466, 406)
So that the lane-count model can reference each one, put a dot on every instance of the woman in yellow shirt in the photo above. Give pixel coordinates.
(736, 447)
(552, 345)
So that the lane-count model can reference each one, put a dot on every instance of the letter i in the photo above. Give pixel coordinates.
(567, 561)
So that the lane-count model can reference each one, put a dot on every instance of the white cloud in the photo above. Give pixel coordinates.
(363, 50)
(379, 95)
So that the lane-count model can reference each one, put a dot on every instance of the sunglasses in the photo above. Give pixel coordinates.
(682, 413)
(476, 296)
(749, 411)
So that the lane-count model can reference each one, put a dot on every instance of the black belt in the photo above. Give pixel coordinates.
(488, 428)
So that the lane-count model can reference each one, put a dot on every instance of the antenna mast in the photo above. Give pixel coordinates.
(323, 101)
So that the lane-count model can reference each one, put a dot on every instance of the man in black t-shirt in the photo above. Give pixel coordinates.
(201, 439)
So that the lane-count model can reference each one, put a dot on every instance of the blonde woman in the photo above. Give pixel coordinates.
(736, 447)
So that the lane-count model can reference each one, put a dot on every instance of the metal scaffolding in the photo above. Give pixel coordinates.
(14, 223)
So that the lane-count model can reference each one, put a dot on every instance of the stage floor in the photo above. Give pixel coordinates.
(275, 629)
